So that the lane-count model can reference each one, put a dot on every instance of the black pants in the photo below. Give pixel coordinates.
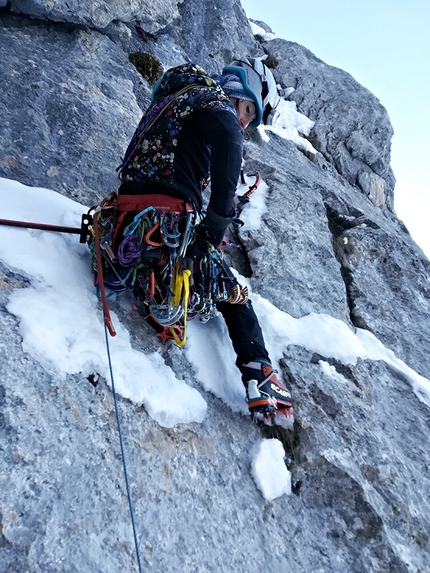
(241, 320)
(244, 331)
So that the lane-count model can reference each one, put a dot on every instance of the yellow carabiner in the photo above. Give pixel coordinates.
(181, 290)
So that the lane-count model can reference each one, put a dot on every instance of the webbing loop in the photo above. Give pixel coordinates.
(182, 290)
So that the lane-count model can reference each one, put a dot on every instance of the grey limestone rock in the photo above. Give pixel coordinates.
(329, 243)
(387, 281)
(294, 246)
(321, 236)
(99, 14)
(352, 128)
(224, 27)
(57, 85)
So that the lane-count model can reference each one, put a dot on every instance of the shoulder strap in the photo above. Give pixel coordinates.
(147, 121)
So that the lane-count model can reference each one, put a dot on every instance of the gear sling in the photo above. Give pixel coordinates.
(141, 246)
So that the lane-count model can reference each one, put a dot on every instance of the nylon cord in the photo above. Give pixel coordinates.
(124, 465)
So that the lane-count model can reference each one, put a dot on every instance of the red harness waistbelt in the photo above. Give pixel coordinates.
(165, 203)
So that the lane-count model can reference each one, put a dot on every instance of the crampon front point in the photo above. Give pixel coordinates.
(274, 415)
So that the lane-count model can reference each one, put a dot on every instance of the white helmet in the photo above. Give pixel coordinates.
(259, 83)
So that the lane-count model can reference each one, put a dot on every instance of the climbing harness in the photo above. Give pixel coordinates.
(141, 240)
(144, 244)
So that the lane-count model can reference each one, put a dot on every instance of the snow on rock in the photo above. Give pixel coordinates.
(260, 31)
(293, 125)
(269, 470)
(60, 318)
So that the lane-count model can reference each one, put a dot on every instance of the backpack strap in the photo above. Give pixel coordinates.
(148, 120)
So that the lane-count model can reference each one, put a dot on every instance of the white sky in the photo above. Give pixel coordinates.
(384, 45)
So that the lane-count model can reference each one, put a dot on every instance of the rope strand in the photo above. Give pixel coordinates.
(124, 465)
(129, 251)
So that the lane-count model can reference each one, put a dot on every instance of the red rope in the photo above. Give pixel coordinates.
(106, 313)
(40, 226)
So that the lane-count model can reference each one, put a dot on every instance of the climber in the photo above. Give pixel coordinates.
(192, 129)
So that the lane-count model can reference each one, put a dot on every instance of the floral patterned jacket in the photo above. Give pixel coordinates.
(189, 130)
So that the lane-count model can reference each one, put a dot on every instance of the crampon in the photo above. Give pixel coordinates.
(269, 400)
(272, 413)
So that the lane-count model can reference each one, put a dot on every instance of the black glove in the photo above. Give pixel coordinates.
(201, 245)
(209, 234)
(215, 226)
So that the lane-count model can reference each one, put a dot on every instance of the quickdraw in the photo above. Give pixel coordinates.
(242, 200)
(181, 297)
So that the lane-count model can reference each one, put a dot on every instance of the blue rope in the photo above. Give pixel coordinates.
(122, 453)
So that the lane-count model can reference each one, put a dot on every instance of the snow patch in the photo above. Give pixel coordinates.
(290, 124)
(61, 321)
(269, 470)
(258, 30)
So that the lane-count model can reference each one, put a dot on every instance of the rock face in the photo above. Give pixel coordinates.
(47, 115)
(352, 130)
(329, 243)
(153, 15)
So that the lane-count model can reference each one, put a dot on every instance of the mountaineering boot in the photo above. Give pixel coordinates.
(268, 399)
